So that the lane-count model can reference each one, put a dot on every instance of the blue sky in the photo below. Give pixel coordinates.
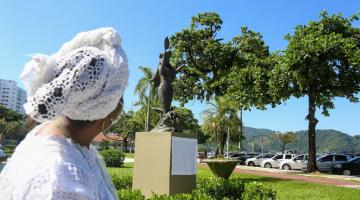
(28, 27)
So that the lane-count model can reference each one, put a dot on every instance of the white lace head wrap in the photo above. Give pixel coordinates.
(84, 80)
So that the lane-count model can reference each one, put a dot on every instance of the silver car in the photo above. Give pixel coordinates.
(295, 163)
(257, 160)
(327, 162)
(275, 160)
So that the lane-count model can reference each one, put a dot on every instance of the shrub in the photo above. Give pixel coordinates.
(220, 188)
(194, 196)
(4, 158)
(207, 189)
(104, 144)
(258, 191)
(113, 157)
(122, 181)
(9, 149)
(128, 194)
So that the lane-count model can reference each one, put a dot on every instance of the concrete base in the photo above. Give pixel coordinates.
(153, 171)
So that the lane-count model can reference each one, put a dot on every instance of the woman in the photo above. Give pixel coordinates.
(75, 94)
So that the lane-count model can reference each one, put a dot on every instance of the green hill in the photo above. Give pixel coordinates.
(326, 140)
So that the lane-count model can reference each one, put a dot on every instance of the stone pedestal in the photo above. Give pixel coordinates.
(165, 163)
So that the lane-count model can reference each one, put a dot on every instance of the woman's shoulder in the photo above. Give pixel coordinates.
(40, 163)
(40, 153)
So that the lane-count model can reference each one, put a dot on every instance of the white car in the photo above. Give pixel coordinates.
(295, 163)
(257, 160)
(275, 160)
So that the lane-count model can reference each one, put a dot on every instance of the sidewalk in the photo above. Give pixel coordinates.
(325, 179)
(301, 173)
(128, 160)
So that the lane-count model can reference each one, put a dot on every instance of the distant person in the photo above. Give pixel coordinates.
(75, 94)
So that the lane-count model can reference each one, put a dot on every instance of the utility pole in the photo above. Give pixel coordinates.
(262, 144)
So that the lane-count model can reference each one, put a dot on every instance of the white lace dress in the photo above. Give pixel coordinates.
(53, 167)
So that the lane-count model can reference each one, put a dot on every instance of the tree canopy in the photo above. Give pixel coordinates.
(219, 119)
(200, 58)
(321, 61)
(285, 138)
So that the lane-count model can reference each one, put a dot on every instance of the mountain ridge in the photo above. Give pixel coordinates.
(327, 140)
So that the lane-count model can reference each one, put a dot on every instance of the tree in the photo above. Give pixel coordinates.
(285, 138)
(355, 143)
(190, 123)
(321, 61)
(10, 122)
(262, 141)
(141, 113)
(219, 120)
(248, 80)
(209, 67)
(9, 115)
(7, 128)
(126, 126)
(143, 86)
(201, 59)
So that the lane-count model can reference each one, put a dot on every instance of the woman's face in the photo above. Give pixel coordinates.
(114, 114)
(113, 117)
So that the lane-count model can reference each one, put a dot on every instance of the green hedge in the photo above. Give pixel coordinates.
(258, 191)
(207, 189)
(122, 181)
(113, 157)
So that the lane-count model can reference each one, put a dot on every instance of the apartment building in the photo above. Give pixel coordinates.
(12, 96)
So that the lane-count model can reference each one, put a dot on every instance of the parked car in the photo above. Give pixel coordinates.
(295, 163)
(327, 162)
(352, 155)
(210, 154)
(201, 155)
(351, 167)
(242, 157)
(275, 160)
(257, 160)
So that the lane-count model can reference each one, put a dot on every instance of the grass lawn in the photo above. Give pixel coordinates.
(286, 189)
(129, 155)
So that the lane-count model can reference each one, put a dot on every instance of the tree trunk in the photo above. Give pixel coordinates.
(222, 143)
(2, 138)
(283, 148)
(125, 146)
(148, 112)
(311, 166)
(217, 151)
(241, 131)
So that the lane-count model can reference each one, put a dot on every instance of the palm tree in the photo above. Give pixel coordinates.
(219, 119)
(143, 86)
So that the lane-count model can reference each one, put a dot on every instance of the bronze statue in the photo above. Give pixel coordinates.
(163, 79)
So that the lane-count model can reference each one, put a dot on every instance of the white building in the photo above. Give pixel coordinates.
(12, 96)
